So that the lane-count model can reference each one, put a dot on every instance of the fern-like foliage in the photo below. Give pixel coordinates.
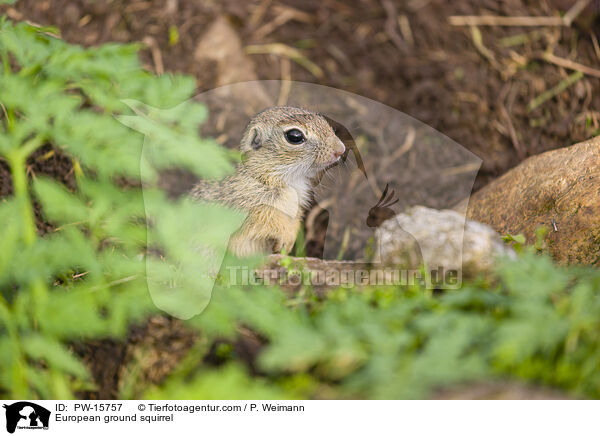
(87, 278)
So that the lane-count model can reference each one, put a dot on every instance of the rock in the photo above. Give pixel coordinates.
(440, 238)
(221, 44)
(559, 189)
(290, 273)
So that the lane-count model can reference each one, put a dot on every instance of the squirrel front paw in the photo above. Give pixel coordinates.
(276, 244)
(279, 245)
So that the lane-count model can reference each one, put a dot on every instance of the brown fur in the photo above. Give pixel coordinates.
(272, 183)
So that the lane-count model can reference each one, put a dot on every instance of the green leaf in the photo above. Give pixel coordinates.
(59, 204)
(54, 354)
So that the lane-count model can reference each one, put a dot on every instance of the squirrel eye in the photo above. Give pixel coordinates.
(294, 136)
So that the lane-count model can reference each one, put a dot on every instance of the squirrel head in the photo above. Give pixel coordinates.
(290, 143)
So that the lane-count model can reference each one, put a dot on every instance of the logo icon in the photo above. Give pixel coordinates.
(26, 415)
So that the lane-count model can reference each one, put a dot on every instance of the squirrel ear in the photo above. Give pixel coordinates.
(256, 142)
(252, 140)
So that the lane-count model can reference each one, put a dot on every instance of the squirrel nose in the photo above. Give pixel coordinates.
(339, 151)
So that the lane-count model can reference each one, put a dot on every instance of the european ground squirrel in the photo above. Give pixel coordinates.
(283, 148)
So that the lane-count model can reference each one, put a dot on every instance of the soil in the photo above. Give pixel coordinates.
(436, 74)
(405, 54)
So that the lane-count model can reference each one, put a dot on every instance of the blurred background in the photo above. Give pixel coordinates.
(477, 85)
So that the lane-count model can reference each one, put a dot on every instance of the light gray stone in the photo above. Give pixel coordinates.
(440, 238)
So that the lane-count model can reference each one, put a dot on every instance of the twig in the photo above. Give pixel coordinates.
(574, 11)
(51, 31)
(340, 56)
(58, 229)
(409, 141)
(286, 84)
(405, 29)
(304, 17)
(513, 133)
(289, 52)
(570, 65)
(460, 169)
(258, 13)
(76, 276)
(282, 18)
(46, 156)
(545, 96)
(593, 116)
(521, 38)
(4, 111)
(137, 7)
(596, 45)
(114, 282)
(156, 55)
(345, 240)
(481, 48)
(494, 20)
(390, 25)
(30, 172)
(84, 20)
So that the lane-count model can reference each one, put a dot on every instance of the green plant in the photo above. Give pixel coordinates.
(538, 323)
(517, 241)
(86, 278)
